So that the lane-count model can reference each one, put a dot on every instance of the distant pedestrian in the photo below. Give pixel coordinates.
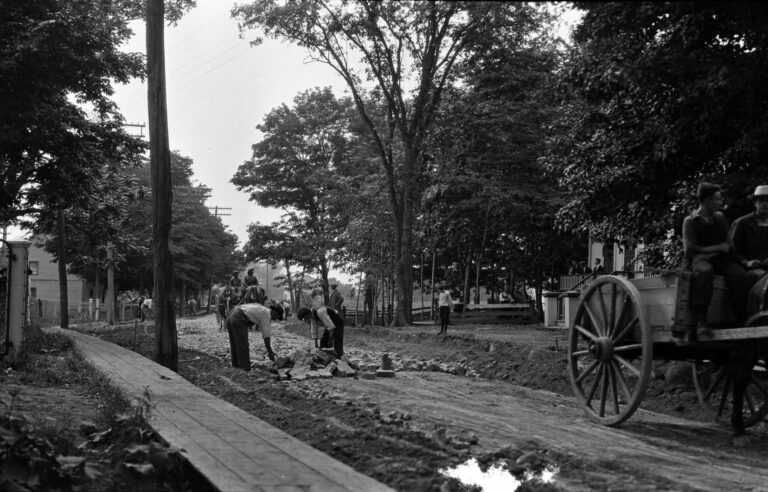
(238, 321)
(286, 308)
(598, 268)
(336, 299)
(192, 307)
(444, 302)
(368, 302)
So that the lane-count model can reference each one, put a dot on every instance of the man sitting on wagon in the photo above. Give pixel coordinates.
(708, 252)
(749, 239)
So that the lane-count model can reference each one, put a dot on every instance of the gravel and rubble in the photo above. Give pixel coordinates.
(411, 430)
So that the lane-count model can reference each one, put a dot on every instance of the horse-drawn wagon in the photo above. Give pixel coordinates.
(622, 325)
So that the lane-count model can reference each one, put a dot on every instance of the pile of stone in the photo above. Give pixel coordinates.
(323, 363)
(314, 364)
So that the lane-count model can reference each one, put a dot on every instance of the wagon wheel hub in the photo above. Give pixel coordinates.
(602, 349)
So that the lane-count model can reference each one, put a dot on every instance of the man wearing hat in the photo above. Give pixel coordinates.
(749, 235)
(708, 252)
(749, 238)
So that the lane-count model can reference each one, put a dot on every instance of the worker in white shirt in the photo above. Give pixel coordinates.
(445, 302)
(239, 320)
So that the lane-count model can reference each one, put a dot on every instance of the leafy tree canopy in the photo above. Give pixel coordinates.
(657, 97)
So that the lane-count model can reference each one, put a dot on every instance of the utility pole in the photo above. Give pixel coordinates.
(217, 212)
(166, 338)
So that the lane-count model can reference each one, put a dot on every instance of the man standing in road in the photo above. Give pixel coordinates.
(444, 302)
(336, 299)
(239, 320)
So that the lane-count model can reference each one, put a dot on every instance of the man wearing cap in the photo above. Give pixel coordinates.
(749, 239)
(708, 252)
(238, 321)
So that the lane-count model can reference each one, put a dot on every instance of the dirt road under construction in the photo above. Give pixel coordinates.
(496, 395)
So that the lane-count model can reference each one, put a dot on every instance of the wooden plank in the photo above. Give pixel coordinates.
(232, 448)
(720, 335)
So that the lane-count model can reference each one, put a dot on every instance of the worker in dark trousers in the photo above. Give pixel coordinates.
(238, 321)
(333, 322)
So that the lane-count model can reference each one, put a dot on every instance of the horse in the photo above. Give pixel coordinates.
(743, 360)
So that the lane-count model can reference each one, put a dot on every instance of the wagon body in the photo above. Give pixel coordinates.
(622, 324)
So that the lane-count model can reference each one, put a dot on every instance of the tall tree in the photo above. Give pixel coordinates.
(658, 96)
(295, 166)
(408, 51)
(487, 191)
(57, 55)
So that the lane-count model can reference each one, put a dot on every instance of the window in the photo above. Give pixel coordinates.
(33, 267)
(33, 292)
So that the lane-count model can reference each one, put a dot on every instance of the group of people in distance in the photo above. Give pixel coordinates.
(581, 268)
(739, 253)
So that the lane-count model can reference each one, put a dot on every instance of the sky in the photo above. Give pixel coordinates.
(219, 88)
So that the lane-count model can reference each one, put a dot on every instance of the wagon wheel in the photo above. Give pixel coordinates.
(610, 350)
(714, 383)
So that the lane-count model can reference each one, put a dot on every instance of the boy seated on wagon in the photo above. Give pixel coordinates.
(708, 252)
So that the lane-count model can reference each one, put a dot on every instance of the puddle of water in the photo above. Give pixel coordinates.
(496, 478)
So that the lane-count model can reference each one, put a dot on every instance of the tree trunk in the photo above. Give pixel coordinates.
(110, 299)
(166, 340)
(294, 305)
(538, 289)
(404, 266)
(480, 253)
(357, 301)
(324, 277)
(421, 286)
(432, 287)
(97, 288)
(383, 300)
(467, 276)
(478, 257)
(61, 253)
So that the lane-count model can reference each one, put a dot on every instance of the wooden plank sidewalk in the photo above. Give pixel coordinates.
(233, 449)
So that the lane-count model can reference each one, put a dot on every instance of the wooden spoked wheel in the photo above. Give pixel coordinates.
(610, 350)
(713, 380)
